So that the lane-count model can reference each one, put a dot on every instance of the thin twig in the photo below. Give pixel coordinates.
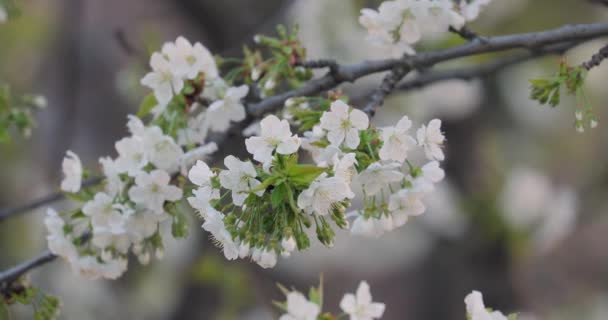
(597, 58)
(386, 87)
(56, 196)
(12, 274)
(319, 64)
(467, 33)
(482, 70)
(349, 73)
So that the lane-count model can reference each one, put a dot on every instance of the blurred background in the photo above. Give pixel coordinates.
(520, 217)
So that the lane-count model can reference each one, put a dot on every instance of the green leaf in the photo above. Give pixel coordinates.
(303, 174)
(278, 195)
(147, 105)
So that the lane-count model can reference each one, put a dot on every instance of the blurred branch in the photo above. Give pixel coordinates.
(466, 33)
(597, 58)
(7, 213)
(12, 274)
(483, 69)
(349, 73)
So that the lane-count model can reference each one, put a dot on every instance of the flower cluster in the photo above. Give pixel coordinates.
(138, 203)
(399, 24)
(378, 162)
(262, 210)
(358, 306)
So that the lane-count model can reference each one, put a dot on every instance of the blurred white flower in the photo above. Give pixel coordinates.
(163, 79)
(190, 60)
(476, 310)
(152, 189)
(72, 171)
(322, 194)
(299, 308)
(431, 139)
(240, 178)
(228, 108)
(360, 306)
(379, 175)
(396, 141)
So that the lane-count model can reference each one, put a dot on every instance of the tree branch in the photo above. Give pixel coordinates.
(597, 58)
(56, 196)
(481, 70)
(466, 33)
(12, 274)
(388, 85)
(349, 73)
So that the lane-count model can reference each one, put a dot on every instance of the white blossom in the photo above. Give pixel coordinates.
(431, 139)
(103, 214)
(360, 306)
(189, 60)
(344, 167)
(379, 175)
(72, 171)
(440, 15)
(161, 149)
(240, 178)
(299, 308)
(322, 194)
(476, 310)
(131, 156)
(195, 132)
(396, 141)
(267, 258)
(201, 175)
(163, 79)
(143, 223)
(114, 183)
(403, 204)
(343, 125)
(228, 108)
(57, 241)
(431, 173)
(288, 245)
(371, 227)
(244, 249)
(275, 135)
(152, 189)
(470, 9)
(214, 224)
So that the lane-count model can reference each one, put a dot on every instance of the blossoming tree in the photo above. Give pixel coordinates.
(316, 162)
